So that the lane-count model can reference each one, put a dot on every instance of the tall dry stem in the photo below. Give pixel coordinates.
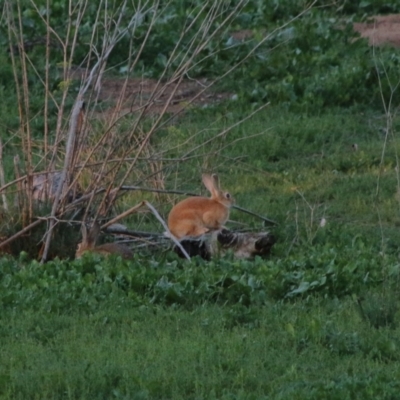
(80, 156)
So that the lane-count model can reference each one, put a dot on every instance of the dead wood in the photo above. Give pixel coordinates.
(166, 191)
(65, 175)
(20, 233)
(2, 180)
(243, 245)
(170, 235)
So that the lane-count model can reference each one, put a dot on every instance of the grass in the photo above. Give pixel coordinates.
(317, 320)
(61, 339)
(98, 328)
(295, 168)
(210, 352)
(298, 169)
(306, 348)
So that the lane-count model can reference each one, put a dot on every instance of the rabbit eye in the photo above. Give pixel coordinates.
(227, 195)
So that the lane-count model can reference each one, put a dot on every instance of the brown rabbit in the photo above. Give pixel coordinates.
(89, 244)
(196, 216)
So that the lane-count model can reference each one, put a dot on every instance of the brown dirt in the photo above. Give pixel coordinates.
(139, 91)
(384, 29)
(381, 30)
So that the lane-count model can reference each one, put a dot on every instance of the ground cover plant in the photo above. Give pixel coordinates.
(303, 131)
(211, 352)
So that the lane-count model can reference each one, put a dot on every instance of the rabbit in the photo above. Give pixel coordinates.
(89, 244)
(196, 216)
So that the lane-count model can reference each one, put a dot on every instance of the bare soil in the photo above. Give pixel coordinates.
(139, 92)
(383, 29)
(135, 93)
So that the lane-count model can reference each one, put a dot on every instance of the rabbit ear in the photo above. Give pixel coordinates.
(216, 181)
(84, 232)
(91, 237)
(211, 183)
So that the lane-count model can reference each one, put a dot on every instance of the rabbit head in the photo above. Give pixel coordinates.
(88, 243)
(211, 182)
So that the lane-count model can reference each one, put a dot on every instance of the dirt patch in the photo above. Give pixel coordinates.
(384, 29)
(136, 93)
(139, 92)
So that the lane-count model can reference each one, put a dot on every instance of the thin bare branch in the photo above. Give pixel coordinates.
(265, 219)
(64, 175)
(2, 179)
(20, 233)
(170, 235)
(123, 215)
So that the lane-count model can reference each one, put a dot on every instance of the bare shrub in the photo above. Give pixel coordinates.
(88, 152)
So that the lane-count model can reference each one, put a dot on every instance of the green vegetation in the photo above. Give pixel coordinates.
(319, 318)
(305, 350)
(172, 329)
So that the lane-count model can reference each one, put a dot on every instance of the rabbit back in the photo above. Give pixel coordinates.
(114, 248)
(195, 216)
(105, 250)
(89, 244)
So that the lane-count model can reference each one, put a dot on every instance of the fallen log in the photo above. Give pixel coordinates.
(243, 245)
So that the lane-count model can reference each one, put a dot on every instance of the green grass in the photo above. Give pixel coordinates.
(298, 169)
(322, 322)
(302, 350)
(287, 327)
(317, 320)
